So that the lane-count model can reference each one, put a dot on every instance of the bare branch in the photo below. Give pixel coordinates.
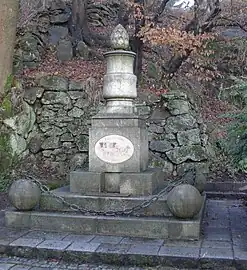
(160, 10)
(232, 23)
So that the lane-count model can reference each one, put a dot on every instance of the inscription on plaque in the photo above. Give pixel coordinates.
(114, 149)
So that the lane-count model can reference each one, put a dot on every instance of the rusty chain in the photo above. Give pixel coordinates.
(126, 211)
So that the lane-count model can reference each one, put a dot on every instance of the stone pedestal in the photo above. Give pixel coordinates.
(144, 183)
(118, 144)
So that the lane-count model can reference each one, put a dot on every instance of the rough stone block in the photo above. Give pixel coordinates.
(86, 182)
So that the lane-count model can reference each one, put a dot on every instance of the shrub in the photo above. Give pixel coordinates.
(237, 93)
(235, 142)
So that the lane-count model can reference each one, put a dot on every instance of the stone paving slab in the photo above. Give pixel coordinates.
(223, 245)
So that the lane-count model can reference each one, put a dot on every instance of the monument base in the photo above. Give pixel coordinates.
(155, 221)
(129, 184)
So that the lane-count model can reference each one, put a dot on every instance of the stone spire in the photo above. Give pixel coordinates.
(119, 38)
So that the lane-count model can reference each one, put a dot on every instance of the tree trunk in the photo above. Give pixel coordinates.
(79, 21)
(137, 42)
(8, 22)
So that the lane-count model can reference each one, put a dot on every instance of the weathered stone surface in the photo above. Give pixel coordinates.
(201, 167)
(180, 123)
(184, 201)
(45, 126)
(160, 146)
(30, 56)
(78, 161)
(46, 112)
(24, 122)
(54, 83)
(155, 128)
(177, 107)
(83, 50)
(24, 194)
(82, 103)
(50, 143)
(204, 139)
(34, 144)
(64, 50)
(31, 94)
(167, 167)
(170, 136)
(18, 144)
(82, 142)
(55, 131)
(59, 18)
(51, 97)
(174, 95)
(75, 86)
(29, 43)
(56, 33)
(184, 153)
(189, 137)
(75, 112)
(67, 137)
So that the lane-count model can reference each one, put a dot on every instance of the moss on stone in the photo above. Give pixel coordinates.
(6, 158)
(5, 152)
(7, 107)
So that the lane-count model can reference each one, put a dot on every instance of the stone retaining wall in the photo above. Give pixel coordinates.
(178, 136)
(55, 118)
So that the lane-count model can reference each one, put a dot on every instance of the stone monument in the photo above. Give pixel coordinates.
(118, 139)
(115, 197)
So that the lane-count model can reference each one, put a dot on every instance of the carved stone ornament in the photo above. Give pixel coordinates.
(119, 38)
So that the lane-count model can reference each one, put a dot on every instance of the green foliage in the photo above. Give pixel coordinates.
(237, 93)
(6, 157)
(6, 160)
(9, 82)
(235, 142)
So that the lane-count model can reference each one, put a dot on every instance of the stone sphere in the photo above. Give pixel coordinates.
(24, 194)
(184, 201)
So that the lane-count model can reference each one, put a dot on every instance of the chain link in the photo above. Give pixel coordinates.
(126, 211)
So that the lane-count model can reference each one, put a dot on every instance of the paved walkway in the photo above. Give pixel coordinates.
(223, 245)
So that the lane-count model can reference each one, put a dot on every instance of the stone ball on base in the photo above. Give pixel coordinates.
(24, 194)
(184, 201)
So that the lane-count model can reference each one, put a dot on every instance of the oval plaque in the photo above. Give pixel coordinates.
(114, 149)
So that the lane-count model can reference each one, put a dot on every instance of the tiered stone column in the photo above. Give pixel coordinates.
(118, 139)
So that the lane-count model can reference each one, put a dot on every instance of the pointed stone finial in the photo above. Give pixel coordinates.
(119, 38)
